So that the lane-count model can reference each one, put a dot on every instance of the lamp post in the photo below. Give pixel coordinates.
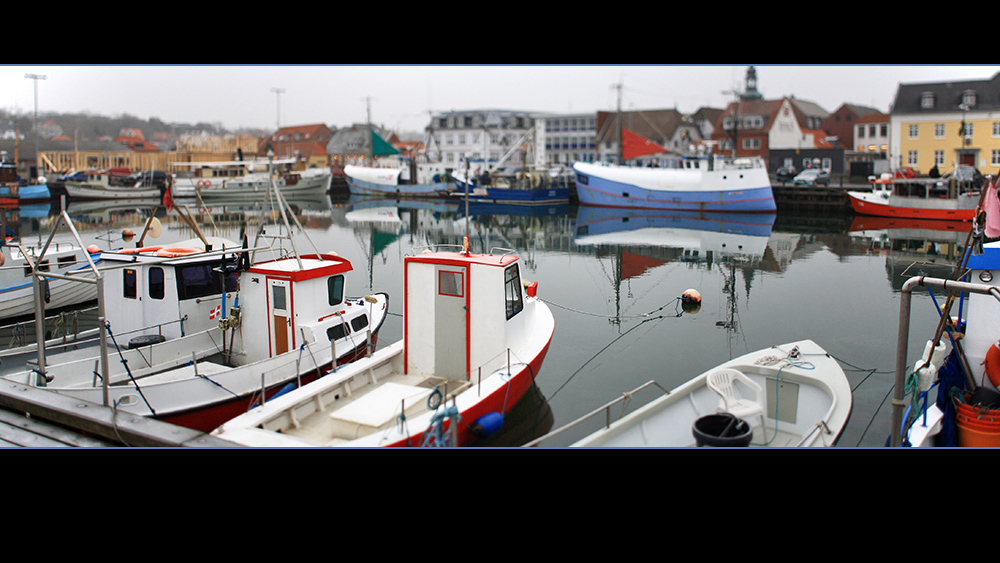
(277, 149)
(36, 78)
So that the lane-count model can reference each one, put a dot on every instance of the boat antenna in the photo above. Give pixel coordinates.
(467, 231)
(274, 189)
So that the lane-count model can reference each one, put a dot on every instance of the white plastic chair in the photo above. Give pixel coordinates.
(723, 382)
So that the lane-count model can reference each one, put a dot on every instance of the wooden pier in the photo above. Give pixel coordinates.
(36, 417)
(831, 199)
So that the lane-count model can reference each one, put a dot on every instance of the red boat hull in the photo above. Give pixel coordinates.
(882, 210)
(501, 401)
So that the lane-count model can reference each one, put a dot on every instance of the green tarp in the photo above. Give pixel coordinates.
(381, 147)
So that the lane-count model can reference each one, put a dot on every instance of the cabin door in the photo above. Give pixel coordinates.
(280, 309)
(451, 318)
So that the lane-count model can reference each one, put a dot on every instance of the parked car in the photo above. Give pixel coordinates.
(786, 173)
(905, 172)
(813, 177)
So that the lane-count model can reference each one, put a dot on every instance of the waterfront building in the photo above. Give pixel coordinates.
(562, 139)
(945, 124)
(489, 135)
(308, 143)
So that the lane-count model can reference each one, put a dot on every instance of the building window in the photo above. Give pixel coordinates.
(939, 158)
(996, 128)
(911, 158)
(939, 130)
(751, 144)
(914, 131)
(861, 131)
(969, 98)
(927, 100)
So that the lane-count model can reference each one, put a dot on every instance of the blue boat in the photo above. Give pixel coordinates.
(699, 184)
(11, 188)
(526, 188)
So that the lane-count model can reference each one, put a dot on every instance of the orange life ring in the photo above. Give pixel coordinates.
(992, 363)
(175, 252)
(139, 250)
(204, 183)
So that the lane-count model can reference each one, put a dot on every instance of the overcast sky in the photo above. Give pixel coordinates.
(402, 97)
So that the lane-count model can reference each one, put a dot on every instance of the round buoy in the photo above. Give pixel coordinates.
(992, 364)
(127, 235)
(691, 296)
(94, 249)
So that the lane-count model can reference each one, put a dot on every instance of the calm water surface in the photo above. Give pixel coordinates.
(612, 279)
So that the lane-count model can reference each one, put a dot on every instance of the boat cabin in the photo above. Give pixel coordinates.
(147, 296)
(474, 314)
(288, 304)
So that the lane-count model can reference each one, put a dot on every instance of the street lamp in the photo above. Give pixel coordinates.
(36, 78)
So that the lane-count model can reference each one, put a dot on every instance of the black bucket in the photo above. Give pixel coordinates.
(722, 430)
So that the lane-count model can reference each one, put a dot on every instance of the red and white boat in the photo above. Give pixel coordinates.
(916, 198)
(197, 335)
(474, 340)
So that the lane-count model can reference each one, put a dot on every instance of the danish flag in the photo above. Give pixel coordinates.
(217, 311)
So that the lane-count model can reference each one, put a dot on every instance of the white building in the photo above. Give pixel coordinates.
(489, 135)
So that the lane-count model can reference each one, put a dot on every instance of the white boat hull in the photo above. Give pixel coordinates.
(250, 185)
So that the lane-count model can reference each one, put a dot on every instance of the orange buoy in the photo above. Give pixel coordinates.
(992, 363)
(691, 296)
(175, 252)
(94, 249)
(128, 235)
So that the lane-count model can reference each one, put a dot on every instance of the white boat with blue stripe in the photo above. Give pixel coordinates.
(699, 184)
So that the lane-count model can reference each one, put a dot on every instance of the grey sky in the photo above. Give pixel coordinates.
(402, 97)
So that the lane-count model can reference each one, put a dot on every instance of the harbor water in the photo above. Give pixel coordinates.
(613, 280)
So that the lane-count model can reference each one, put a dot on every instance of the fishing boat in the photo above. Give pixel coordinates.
(17, 264)
(396, 182)
(526, 187)
(11, 190)
(917, 198)
(708, 184)
(792, 395)
(240, 178)
(96, 185)
(474, 340)
(206, 328)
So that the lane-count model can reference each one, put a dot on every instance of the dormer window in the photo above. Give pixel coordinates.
(927, 100)
(969, 98)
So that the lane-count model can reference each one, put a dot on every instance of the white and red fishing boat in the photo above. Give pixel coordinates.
(196, 335)
(474, 340)
(917, 198)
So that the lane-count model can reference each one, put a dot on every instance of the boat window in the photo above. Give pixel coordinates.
(279, 298)
(450, 283)
(513, 285)
(197, 280)
(66, 260)
(335, 289)
(359, 323)
(336, 332)
(156, 285)
(129, 283)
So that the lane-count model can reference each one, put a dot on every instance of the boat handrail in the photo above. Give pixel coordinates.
(434, 246)
(507, 251)
(626, 398)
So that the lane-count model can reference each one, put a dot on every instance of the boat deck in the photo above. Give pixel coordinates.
(370, 409)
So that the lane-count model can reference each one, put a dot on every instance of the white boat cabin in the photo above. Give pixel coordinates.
(474, 315)
(278, 304)
(147, 296)
(299, 304)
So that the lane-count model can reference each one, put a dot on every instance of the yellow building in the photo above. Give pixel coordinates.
(946, 124)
